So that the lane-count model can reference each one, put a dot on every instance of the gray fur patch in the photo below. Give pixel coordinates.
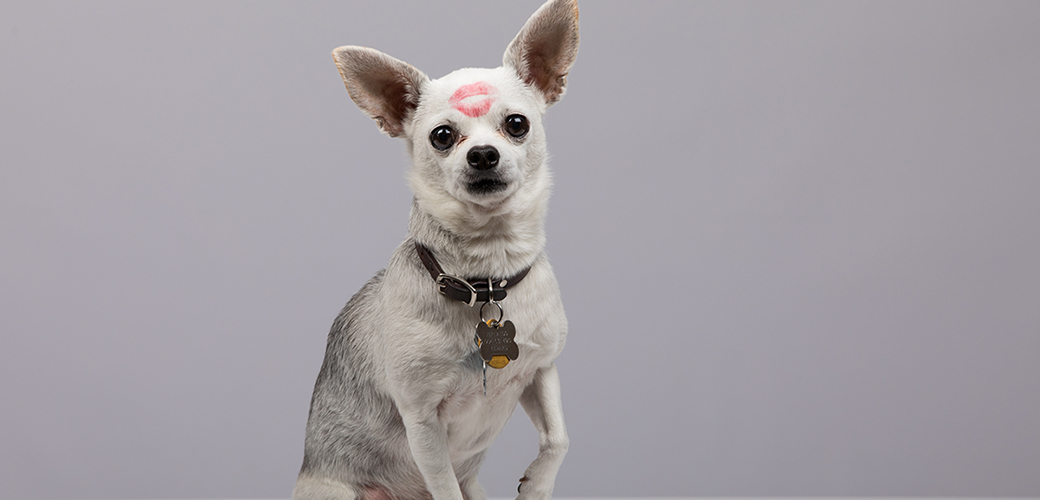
(350, 422)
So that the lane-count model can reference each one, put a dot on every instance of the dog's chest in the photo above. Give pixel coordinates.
(473, 417)
(427, 343)
(531, 313)
(537, 343)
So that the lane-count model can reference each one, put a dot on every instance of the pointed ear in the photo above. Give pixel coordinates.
(386, 89)
(544, 50)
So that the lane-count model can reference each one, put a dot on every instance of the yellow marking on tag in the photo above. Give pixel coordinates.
(499, 361)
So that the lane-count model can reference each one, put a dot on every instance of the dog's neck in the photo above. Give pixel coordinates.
(481, 244)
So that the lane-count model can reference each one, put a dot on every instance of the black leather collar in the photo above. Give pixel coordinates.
(469, 291)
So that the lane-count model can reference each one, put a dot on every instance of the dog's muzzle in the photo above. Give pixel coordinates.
(483, 177)
(482, 157)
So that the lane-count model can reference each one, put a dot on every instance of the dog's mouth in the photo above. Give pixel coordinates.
(488, 185)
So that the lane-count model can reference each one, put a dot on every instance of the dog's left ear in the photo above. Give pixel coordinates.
(544, 51)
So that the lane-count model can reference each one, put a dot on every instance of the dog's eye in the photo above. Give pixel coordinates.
(517, 125)
(442, 138)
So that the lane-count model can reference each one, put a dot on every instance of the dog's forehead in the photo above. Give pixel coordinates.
(474, 91)
(473, 99)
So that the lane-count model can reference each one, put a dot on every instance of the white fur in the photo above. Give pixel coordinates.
(399, 411)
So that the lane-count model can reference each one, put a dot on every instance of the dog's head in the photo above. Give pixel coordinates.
(475, 135)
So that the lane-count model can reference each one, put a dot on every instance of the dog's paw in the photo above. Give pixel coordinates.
(529, 489)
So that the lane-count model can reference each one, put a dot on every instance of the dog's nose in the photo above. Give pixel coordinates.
(482, 157)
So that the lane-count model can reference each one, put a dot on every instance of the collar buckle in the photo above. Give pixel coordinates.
(442, 286)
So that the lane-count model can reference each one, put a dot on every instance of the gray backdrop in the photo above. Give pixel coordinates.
(798, 241)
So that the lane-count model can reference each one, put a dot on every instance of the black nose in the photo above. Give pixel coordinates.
(482, 157)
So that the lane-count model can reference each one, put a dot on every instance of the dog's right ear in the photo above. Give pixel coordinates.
(386, 89)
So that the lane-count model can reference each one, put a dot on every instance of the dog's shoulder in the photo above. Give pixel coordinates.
(342, 353)
(537, 309)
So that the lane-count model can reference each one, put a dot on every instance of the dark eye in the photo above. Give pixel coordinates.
(517, 126)
(442, 138)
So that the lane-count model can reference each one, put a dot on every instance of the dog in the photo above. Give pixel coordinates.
(426, 363)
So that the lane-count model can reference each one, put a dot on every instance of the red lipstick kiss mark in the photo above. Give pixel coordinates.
(474, 100)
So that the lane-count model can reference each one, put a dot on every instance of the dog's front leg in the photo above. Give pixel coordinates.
(428, 440)
(541, 401)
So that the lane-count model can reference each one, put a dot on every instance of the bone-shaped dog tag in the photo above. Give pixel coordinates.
(497, 344)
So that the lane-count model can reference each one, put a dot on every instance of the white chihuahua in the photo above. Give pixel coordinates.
(405, 406)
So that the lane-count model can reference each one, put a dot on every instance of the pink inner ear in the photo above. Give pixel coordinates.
(474, 99)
